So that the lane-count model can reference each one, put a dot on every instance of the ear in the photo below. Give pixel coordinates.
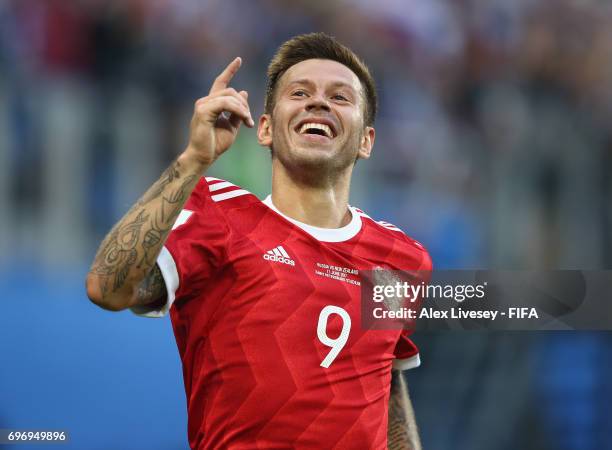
(264, 131)
(367, 142)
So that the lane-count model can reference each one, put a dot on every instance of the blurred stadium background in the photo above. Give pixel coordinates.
(494, 148)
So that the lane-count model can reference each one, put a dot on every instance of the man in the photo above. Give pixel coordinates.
(264, 297)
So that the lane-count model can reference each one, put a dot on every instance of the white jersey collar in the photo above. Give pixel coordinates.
(324, 234)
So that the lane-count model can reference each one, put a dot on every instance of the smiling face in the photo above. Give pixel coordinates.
(318, 118)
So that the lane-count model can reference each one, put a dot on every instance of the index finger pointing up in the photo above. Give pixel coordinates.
(222, 81)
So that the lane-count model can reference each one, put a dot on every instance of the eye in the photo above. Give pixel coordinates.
(340, 97)
(299, 93)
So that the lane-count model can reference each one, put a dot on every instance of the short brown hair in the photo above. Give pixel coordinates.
(320, 46)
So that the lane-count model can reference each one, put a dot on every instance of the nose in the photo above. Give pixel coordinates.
(316, 102)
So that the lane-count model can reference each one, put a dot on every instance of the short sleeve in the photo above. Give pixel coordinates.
(194, 250)
(406, 353)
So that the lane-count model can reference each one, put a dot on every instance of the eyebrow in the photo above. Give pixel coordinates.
(308, 82)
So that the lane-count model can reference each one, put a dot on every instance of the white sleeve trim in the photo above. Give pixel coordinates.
(408, 363)
(167, 267)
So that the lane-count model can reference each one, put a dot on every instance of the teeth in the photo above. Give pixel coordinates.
(318, 126)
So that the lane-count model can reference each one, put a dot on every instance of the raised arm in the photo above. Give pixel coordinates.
(402, 433)
(124, 273)
(119, 277)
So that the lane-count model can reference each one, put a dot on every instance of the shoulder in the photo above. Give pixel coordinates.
(224, 195)
(385, 232)
(217, 211)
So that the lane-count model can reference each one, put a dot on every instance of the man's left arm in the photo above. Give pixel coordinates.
(402, 433)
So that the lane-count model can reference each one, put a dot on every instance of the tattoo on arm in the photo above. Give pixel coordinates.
(129, 251)
(402, 433)
(152, 290)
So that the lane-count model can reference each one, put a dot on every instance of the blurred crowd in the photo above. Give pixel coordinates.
(493, 141)
(493, 147)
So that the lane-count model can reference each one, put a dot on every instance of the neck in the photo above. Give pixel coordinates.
(323, 205)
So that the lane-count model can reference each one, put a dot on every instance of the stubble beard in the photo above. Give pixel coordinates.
(313, 170)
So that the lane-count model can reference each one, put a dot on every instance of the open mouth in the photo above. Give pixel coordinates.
(314, 128)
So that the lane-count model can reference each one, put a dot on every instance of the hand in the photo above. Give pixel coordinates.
(212, 132)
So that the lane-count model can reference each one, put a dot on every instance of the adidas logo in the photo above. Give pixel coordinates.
(279, 254)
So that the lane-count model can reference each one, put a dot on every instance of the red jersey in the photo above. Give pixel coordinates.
(266, 315)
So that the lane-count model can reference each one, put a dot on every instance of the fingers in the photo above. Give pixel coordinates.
(223, 98)
(212, 107)
(241, 96)
(234, 119)
(238, 97)
(222, 81)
